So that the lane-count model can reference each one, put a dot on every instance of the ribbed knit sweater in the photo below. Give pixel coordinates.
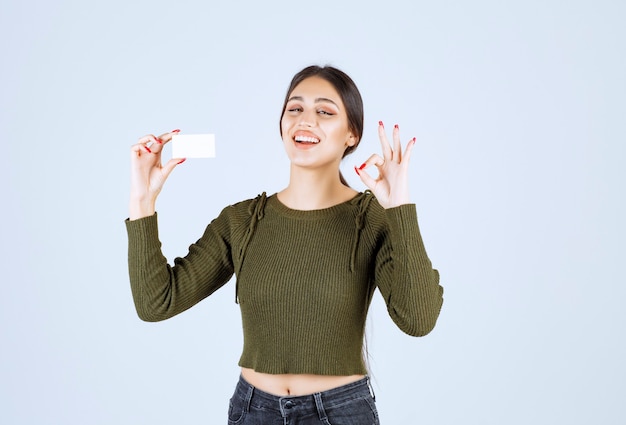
(304, 279)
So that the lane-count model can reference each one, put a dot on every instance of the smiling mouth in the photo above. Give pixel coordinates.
(306, 139)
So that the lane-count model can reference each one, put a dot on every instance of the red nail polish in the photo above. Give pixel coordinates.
(357, 170)
(413, 140)
(380, 123)
(182, 160)
(175, 131)
(395, 126)
(362, 166)
(148, 149)
(158, 140)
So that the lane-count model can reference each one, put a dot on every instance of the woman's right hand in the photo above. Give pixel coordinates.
(147, 174)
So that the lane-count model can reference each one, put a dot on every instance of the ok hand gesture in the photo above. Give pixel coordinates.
(391, 187)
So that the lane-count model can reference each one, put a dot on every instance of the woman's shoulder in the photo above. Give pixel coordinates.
(367, 204)
(246, 208)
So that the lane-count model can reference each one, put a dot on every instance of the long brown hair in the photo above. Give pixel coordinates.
(348, 92)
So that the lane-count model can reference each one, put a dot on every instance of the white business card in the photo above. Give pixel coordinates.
(193, 146)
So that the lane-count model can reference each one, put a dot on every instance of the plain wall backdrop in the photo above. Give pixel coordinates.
(518, 178)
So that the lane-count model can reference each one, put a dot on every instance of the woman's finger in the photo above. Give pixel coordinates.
(137, 148)
(375, 159)
(408, 150)
(148, 139)
(166, 137)
(170, 165)
(150, 143)
(367, 180)
(140, 148)
(387, 152)
(154, 144)
(397, 147)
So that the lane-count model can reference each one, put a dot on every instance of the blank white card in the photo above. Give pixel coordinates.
(193, 146)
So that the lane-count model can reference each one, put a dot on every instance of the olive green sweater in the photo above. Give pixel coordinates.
(304, 279)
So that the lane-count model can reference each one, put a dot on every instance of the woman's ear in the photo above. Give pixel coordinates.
(351, 140)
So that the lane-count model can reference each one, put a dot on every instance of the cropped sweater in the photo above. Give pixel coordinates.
(304, 279)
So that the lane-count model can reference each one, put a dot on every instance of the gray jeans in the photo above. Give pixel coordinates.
(351, 404)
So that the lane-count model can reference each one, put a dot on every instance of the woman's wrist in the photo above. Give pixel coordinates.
(395, 202)
(140, 208)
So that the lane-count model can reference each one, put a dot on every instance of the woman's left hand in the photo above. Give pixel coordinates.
(391, 187)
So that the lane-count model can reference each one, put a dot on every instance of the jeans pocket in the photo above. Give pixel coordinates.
(236, 411)
(372, 404)
(360, 411)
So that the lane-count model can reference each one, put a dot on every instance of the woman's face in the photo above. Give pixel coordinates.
(315, 125)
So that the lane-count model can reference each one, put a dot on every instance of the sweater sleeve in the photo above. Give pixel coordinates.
(404, 274)
(160, 290)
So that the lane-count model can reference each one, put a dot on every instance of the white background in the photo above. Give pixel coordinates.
(518, 176)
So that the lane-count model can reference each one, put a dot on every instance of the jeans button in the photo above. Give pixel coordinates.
(289, 404)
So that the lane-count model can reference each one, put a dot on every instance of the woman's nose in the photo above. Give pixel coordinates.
(307, 119)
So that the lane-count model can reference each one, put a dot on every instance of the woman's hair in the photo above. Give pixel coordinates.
(348, 92)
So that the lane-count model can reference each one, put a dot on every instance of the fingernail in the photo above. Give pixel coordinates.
(362, 166)
(413, 140)
(380, 123)
(182, 160)
(175, 131)
(357, 170)
(158, 140)
(395, 126)
(148, 149)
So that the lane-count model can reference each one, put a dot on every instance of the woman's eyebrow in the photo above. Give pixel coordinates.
(317, 100)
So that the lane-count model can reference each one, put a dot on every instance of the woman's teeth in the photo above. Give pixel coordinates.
(306, 139)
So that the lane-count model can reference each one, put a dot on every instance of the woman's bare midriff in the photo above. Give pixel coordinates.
(295, 385)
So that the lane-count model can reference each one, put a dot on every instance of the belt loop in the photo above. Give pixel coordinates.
(249, 397)
(369, 385)
(320, 407)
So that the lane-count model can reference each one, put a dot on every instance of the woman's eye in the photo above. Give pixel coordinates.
(295, 109)
(323, 112)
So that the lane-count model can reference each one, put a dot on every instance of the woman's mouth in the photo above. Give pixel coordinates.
(306, 139)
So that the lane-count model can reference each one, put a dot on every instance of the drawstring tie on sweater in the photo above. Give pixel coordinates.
(363, 201)
(256, 211)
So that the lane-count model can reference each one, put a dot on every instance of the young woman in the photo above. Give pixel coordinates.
(306, 259)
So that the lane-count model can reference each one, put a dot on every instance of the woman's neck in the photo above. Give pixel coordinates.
(313, 190)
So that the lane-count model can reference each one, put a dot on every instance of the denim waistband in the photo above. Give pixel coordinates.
(312, 402)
